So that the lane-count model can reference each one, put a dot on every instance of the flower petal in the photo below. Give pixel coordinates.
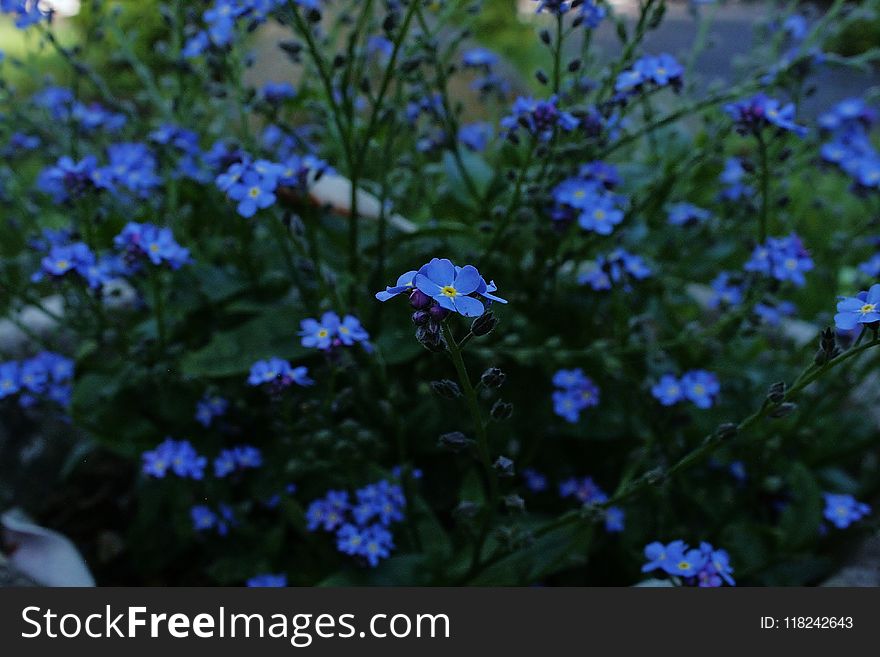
(468, 280)
(439, 270)
(427, 285)
(468, 306)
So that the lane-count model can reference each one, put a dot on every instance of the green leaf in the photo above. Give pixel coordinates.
(800, 520)
(231, 353)
(479, 172)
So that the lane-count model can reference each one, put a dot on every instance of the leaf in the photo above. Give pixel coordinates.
(231, 353)
(800, 520)
(478, 171)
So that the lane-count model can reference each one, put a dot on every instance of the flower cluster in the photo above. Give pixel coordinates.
(25, 12)
(587, 492)
(650, 72)
(704, 566)
(862, 309)
(243, 457)
(617, 267)
(782, 258)
(278, 373)
(176, 456)
(697, 386)
(539, 118)
(575, 393)
(224, 20)
(210, 407)
(850, 148)
(255, 184)
(727, 290)
(45, 376)
(588, 200)
(204, 518)
(66, 259)
(759, 112)
(361, 525)
(331, 332)
(139, 242)
(842, 510)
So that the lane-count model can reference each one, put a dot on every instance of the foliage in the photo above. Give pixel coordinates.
(653, 368)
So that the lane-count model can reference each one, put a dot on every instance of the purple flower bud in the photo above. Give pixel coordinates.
(419, 300)
(421, 317)
(438, 313)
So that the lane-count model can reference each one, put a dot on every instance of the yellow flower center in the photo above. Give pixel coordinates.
(62, 264)
(449, 291)
(323, 333)
(599, 215)
(154, 248)
(254, 192)
(699, 388)
(791, 263)
(344, 330)
(580, 193)
(868, 308)
(684, 565)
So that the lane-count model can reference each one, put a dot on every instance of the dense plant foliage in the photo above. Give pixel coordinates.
(404, 318)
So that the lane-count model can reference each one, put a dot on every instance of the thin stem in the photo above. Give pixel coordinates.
(470, 396)
(765, 189)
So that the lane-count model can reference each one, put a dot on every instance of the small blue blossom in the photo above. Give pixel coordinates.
(331, 331)
(686, 214)
(278, 372)
(782, 258)
(655, 71)
(203, 518)
(584, 490)
(538, 117)
(862, 309)
(277, 92)
(668, 390)
(614, 519)
(178, 457)
(842, 510)
(577, 392)
(700, 387)
(479, 58)
(210, 407)
(619, 266)
(138, 242)
(476, 136)
(759, 112)
(267, 580)
(535, 481)
(704, 566)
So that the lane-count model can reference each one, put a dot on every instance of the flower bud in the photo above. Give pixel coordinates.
(492, 378)
(827, 346)
(484, 324)
(419, 300)
(438, 313)
(783, 410)
(515, 503)
(501, 411)
(421, 317)
(503, 466)
(545, 36)
(446, 389)
(541, 77)
(454, 441)
(776, 394)
(429, 337)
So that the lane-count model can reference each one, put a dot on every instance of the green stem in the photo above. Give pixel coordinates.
(765, 189)
(470, 396)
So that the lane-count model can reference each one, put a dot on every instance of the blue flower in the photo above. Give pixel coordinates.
(584, 490)
(684, 214)
(535, 481)
(377, 545)
(842, 510)
(725, 292)
(772, 313)
(267, 580)
(871, 267)
(253, 192)
(663, 557)
(331, 331)
(782, 258)
(614, 519)
(731, 177)
(277, 92)
(619, 266)
(279, 372)
(538, 117)
(405, 283)
(210, 407)
(328, 513)
(557, 7)
(10, 382)
(700, 387)
(759, 112)
(863, 309)
(146, 241)
(479, 58)
(659, 71)
(476, 136)
(179, 457)
(578, 392)
(203, 518)
(668, 390)
(451, 287)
